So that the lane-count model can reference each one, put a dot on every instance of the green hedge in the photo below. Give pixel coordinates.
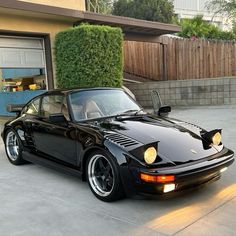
(89, 56)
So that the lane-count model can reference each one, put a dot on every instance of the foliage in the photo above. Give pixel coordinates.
(234, 27)
(223, 6)
(100, 6)
(152, 10)
(199, 28)
(89, 56)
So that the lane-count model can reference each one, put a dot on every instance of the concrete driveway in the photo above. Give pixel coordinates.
(39, 201)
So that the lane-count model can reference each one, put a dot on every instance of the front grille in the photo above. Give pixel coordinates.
(122, 140)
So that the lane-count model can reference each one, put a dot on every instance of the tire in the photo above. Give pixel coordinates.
(103, 177)
(13, 148)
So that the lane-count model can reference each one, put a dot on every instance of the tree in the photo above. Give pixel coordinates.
(152, 10)
(223, 6)
(234, 27)
(198, 28)
(100, 6)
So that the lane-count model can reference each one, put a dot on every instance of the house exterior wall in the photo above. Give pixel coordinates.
(24, 24)
(70, 4)
(191, 8)
(31, 22)
(32, 25)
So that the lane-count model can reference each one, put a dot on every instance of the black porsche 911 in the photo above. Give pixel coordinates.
(104, 136)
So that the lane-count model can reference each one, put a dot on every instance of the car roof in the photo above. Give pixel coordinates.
(72, 90)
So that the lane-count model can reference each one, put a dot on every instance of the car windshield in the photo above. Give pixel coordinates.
(101, 103)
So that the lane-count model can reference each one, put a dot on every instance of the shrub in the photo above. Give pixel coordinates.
(199, 28)
(89, 56)
(152, 10)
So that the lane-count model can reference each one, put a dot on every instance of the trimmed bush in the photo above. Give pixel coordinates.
(89, 56)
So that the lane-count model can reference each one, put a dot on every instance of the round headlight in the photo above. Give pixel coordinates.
(216, 139)
(150, 155)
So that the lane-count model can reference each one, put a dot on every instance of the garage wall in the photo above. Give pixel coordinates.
(217, 91)
(71, 4)
(31, 24)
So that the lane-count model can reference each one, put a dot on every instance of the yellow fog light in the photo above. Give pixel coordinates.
(168, 188)
(150, 155)
(216, 139)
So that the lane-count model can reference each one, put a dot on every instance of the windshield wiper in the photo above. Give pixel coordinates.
(129, 113)
(138, 111)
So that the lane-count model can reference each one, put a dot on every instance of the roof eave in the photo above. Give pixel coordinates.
(145, 30)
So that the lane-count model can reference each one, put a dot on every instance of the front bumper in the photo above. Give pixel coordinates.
(186, 176)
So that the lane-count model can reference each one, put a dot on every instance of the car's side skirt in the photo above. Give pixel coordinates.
(51, 164)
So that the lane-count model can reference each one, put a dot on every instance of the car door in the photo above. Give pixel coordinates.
(56, 140)
(29, 114)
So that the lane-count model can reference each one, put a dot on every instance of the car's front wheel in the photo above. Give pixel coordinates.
(103, 177)
(13, 148)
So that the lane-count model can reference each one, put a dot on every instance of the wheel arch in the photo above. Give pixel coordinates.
(120, 156)
(111, 149)
(4, 132)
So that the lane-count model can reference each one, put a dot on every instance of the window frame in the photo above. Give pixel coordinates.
(23, 112)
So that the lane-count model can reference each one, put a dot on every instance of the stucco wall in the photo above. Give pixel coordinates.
(32, 24)
(217, 91)
(71, 4)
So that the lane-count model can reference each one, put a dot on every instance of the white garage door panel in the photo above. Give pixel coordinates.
(21, 53)
(21, 43)
(21, 58)
(8, 56)
(34, 59)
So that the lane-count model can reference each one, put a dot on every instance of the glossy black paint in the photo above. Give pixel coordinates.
(181, 149)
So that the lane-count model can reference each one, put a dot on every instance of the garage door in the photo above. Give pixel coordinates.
(21, 53)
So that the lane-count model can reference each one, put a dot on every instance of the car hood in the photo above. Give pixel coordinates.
(177, 141)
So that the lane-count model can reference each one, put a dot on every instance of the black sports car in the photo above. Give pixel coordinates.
(104, 136)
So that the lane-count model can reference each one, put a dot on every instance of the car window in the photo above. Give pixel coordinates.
(51, 105)
(33, 107)
(100, 103)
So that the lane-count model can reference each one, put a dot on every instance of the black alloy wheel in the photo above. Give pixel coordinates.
(103, 177)
(13, 148)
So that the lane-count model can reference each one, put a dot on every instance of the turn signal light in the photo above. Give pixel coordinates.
(157, 178)
(165, 178)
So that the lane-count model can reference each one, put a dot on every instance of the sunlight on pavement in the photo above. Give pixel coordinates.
(183, 217)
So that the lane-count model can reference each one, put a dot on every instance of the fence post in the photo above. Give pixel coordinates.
(164, 61)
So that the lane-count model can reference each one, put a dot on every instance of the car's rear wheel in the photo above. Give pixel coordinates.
(103, 177)
(13, 148)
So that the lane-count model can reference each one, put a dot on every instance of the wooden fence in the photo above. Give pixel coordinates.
(176, 59)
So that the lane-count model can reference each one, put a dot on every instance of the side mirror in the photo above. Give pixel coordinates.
(163, 111)
(158, 107)
(156, 101)
(57, 118)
